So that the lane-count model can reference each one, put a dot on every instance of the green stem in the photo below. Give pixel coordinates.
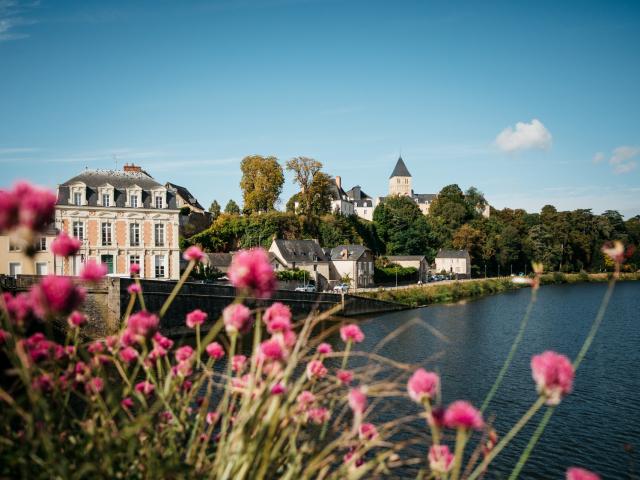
(461, 440)
(177, 288)
(532, 442)
(435, 434)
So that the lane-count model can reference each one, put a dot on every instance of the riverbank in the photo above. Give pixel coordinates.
(435, 293)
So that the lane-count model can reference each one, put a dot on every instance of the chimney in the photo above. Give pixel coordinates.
(130, 167)
(339, 181)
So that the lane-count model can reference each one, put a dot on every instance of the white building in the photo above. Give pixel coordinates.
(363, 204)
(354, 262)
(340, 201)
(455, 262)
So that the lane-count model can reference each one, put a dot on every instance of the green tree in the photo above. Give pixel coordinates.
(215, 209)
(475, 201)
(232, 208)
(261, 183)
(452, 208)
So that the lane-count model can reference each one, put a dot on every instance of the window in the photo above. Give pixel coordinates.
(134, 260)
(106, 233)
(77, 198)
(41, 244)
(134, 234)
(133, 201)
(13, 247)
(158, 201)
(15, 268)
(41, 268)
(159, 264)
(106, 199)
(159, 234)
(78, 230)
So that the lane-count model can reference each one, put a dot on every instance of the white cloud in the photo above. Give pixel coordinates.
(525, 136)
(599, 157)
(622, 159)
(10, 18)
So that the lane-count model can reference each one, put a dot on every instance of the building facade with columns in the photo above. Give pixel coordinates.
(122, 218)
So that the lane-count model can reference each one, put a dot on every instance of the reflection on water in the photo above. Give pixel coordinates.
(596, 427)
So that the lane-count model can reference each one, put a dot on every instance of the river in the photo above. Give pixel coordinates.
(596, 427)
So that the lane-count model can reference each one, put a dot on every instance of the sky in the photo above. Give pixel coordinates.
(533, 103)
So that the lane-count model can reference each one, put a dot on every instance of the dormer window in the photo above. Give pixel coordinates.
(134, 197)
(106, 197)
(77, 194)
(77, 198)
(133, 201)
(106, 200)
(159, 203)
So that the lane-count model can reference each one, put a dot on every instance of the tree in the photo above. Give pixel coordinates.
(470, 239)
(451, 207)
(475, 201)
(261, 184)
(215, 209)
(315, 186)
(232, 208)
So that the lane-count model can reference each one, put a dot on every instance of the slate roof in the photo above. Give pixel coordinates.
(337, 193)
(446, 253)
(401, 258)
(425, 197)
(186, 195)
(301, 251)
(400, 169)
(359, 198)
(354, 252)
(219, 260)
(120, 181)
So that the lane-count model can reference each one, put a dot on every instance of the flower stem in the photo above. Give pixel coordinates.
(177, 288)
(461, 440)
(532, 442)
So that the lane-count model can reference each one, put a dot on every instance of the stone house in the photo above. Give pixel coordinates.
(340, 201)
(13, 260)
(363, 204)
(355, 262)
(456, 262)
(122, 218)
(419, 262)
(304, 255)
(222, 261)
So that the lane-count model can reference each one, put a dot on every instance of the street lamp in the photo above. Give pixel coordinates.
(396, 275)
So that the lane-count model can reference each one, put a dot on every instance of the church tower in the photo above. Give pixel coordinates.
(400, 180)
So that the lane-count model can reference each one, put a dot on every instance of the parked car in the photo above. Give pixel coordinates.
(306, 288)
(341, 288)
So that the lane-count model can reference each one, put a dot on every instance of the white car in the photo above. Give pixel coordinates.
(341, 288)
(306, 288)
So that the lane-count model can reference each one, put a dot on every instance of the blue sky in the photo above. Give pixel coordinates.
(531, 102)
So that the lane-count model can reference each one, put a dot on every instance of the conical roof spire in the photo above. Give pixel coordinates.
(400, 169)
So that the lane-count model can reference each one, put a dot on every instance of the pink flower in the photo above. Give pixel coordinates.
(278, 318)
(318, 415)
(76, 319)
(9, 211)
(93, 271)
(56, 296)
(215, 350)
(238, 363)
(162, 341)
(345, 376)
(134, 268)
(576, 473)
(64, 245)
(197, 317)
(251, 270)
(357, 401)
(440, 459)
(461, 414)
(143, 324)
(93, 386)
(351, 333)
(145, 387)
(324, 349)
(193, 253)
(271, 350)
(305, 398)
(237, 318)
(43, 383)
(553, 374)
(128, 354)
(367, 431)
(19, 308)
(126, 403)
(184, 353)
(614, 251)
(4, 336)
(212, 418)
(278, 389)
(37, 206)
(423, 385)
(134, 289)
(315, 369)
(96, 347)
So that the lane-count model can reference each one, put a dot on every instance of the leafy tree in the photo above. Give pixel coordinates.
(314, 197)
(215, 209)
(232, 208)
(261, 184)
(475, 201)
(452, 208)
(470, 239)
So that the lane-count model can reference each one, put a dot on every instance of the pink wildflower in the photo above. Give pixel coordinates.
(215, 350)
(96, 347)
(423, 385)
(95, 385)
(278, 389)
(156, 352)
(440, 459)
(318, 415)
(163, 341)
(461, 414)
(576, 473)
(64, 245)
(367, 431)
(93, 271)
(315, 369)
(4, 336)
(77, 319)
(56, 296)
(197, 317)
(184, 353)
(238, 363)
(128, 354)
(305, 398)
(357, 401)
(345, 376)
(193, 253)
(237, 318)
(553, 374)
(19, 308)
(351, 333)
(37, 206)
(145, 387)
(43, 383)
(134, 289)
(134, 269)
(614, 251)
(143, 324)
(271, 350)
(212, 418)
(251, 270)
(126, 403)
(287, 338)
(278, 318)
(324, 349)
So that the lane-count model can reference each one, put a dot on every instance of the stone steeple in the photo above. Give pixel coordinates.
(400, 180)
